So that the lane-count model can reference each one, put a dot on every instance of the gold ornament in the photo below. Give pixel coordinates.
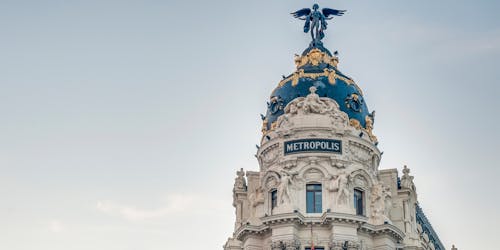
(355, 123)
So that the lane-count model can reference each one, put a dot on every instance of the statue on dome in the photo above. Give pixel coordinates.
(316, 21)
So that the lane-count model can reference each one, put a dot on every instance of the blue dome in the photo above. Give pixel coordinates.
(318, 67)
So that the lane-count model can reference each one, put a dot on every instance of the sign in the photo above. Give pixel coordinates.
(313, 145)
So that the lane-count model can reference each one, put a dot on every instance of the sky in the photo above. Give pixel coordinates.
(123, 122)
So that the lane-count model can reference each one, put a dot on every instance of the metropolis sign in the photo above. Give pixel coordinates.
(313, 145)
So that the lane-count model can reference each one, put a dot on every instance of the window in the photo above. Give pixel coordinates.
(358, 201)
(313, 198)
(274, 199)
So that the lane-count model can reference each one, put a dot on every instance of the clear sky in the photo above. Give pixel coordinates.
(123, 122)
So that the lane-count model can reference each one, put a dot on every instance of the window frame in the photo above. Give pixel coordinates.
(316, 193)
(362, 199)
(273, 198)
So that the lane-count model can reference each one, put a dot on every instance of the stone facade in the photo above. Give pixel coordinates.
(389, 218)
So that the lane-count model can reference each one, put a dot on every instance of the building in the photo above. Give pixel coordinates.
(319, 185)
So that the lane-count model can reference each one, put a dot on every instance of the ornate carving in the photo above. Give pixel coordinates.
(277, 245)
(355, 153)
(285, 193)
(407, 179)
(327, 72)
(343, 245)
(344, 194)
(354, 102)
(264, 126)
(369, 128)
(360, 181)
(275, 105)
(271, 181)
(315, 57)
(270, 154)
(313, 174)
(239, 197)
(377, 204)
(285, 245)
(330, 73)
(340, 185)
(292, 245)
(355, 123)
(387, 196)
(381, 203)
(256, 198)
(240, 183)
(313, 104)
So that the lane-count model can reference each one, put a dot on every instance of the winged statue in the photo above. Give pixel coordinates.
(316, 20)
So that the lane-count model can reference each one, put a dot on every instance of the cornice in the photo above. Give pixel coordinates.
(327, 218)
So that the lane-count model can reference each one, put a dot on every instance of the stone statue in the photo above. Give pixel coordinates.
(256, 198)
(312, 103)
(333, 185)
(387, 197)
(406, 179)
(377, 204)
(381, 204)
(239, 181)
(343, 194)
(284, 188)
(239, 196)
(316, 21)
(340, 184)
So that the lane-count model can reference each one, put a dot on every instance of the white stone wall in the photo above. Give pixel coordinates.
(388, 221)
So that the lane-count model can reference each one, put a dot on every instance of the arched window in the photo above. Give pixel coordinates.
(313, 198)
(358, 202)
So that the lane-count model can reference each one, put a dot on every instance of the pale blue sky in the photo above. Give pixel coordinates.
(122, 122)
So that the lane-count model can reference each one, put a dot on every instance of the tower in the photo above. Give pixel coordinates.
(319, 185)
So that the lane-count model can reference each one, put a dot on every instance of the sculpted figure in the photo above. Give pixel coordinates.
(377, 203)
(387, 196)
(315, 20)
(239, 181)
(312, 103)
(293, 108)
(239, 190)
(406, 180)
(284, 189)
(333, 185)
(344, 194)
(338, 116)
(256, 198)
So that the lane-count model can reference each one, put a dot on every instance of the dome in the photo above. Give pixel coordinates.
(318, 67)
